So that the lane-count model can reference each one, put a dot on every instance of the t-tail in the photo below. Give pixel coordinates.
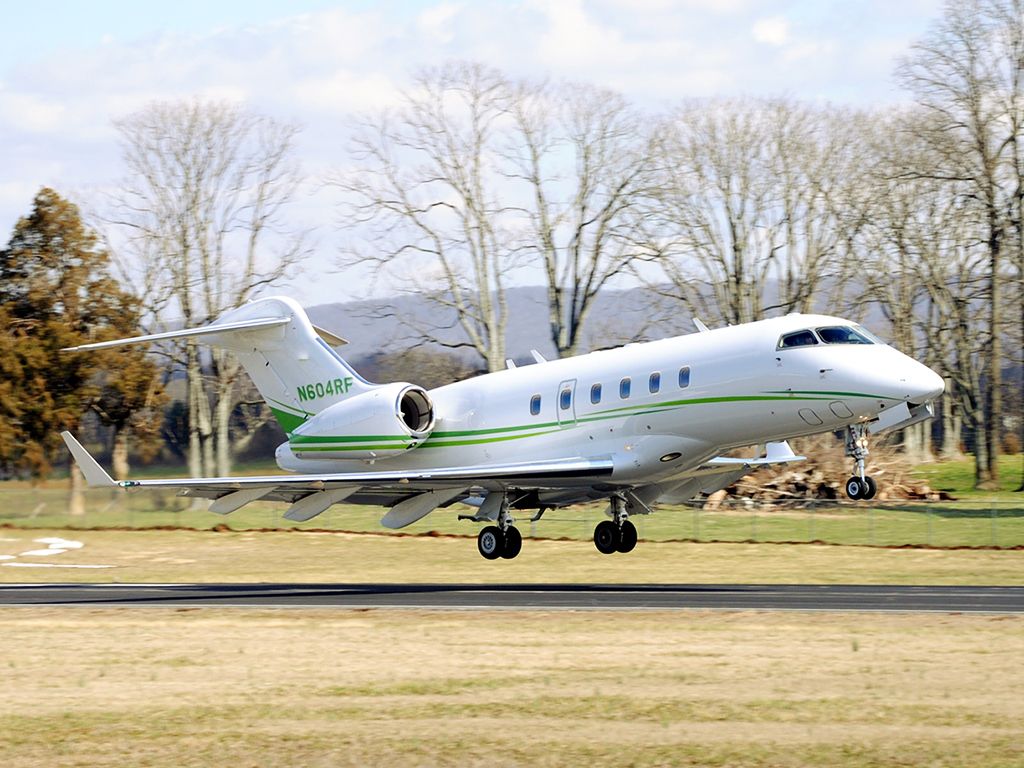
(291, 361)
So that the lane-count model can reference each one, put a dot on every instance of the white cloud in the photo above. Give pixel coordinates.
(320, 67)
(773, 30)
(437, 22)
(31, 113)
(346, 91)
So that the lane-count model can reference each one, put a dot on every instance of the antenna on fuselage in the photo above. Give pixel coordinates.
(701, 328)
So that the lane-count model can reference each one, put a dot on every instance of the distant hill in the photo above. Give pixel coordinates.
(398, 323)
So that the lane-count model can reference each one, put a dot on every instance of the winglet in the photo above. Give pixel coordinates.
(95, 475)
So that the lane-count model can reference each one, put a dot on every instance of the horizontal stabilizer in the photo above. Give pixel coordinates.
(206, 330)
(332, 339)
(95, 475)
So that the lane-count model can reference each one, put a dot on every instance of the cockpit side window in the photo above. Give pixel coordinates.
(843, 334)
(798, 339)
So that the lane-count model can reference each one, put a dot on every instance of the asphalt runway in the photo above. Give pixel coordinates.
(528, 596)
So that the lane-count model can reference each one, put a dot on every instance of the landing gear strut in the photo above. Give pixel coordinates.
(617, 534)
(860, 486)
(501, 540)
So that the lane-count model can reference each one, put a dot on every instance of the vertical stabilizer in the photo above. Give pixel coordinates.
(295, 370)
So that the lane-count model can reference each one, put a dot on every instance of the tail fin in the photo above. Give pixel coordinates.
(294, 368)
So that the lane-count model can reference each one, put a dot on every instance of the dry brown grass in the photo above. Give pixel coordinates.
(189, 556)
(215, 687)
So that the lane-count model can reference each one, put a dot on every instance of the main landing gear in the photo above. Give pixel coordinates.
(617, 534)
(501, 540)
(860, 486)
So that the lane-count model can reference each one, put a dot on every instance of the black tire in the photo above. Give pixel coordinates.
(870, 488)
(606, 537)
(490, 542)
(627, 537)
(513, 543)
(855, 488)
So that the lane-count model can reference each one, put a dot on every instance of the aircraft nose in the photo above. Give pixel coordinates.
(924, 384)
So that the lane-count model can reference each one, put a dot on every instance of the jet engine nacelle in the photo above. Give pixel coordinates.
(385, 421)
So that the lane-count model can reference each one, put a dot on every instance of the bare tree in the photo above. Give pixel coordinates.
(923, 264)
(425, 191)
(752, 195)
(958, 75)
(586, 159)
(204, 205)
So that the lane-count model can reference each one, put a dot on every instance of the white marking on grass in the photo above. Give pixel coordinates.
(55, 542)
(55, 546)
(42, 552)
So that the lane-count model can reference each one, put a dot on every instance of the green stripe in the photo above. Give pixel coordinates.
(333, 448)
(302, 439)
(469, 432)
(430, 443)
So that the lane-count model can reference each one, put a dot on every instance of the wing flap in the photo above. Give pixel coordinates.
(410, 510)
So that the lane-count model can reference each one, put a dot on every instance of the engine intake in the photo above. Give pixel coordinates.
(386, 421)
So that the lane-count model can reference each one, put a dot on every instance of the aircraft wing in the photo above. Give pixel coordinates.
(311, 494)
(775, 453)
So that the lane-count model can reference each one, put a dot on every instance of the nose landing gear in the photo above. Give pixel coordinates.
(617, 534)
(860, 486)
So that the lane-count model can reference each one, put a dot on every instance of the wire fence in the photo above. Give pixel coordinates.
(947, 524)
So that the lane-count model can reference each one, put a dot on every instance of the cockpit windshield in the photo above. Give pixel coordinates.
(845, 334)
(798, 339)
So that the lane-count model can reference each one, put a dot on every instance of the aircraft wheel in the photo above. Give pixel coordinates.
(513, 544)
(627, 537)
(855, 488)
(869, 488)
(606, 537)
(490, 541)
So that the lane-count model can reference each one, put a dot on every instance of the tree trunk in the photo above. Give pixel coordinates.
(994, 398)
(119, 454)
(952, 426)
(76, 499)
(194, 385)
(222, 425)
(981, 475)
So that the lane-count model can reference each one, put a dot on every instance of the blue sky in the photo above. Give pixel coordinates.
(68, 69)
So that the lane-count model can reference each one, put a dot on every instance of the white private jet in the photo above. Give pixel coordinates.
(636, 425)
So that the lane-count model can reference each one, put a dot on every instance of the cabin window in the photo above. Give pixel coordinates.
(684, 377)
(843, 334)
(798, 339)
(654, 383)
(565, 399)
(624, 388)
(535, 405)
(595, 394)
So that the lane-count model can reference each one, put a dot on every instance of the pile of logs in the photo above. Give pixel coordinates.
(823, 475)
